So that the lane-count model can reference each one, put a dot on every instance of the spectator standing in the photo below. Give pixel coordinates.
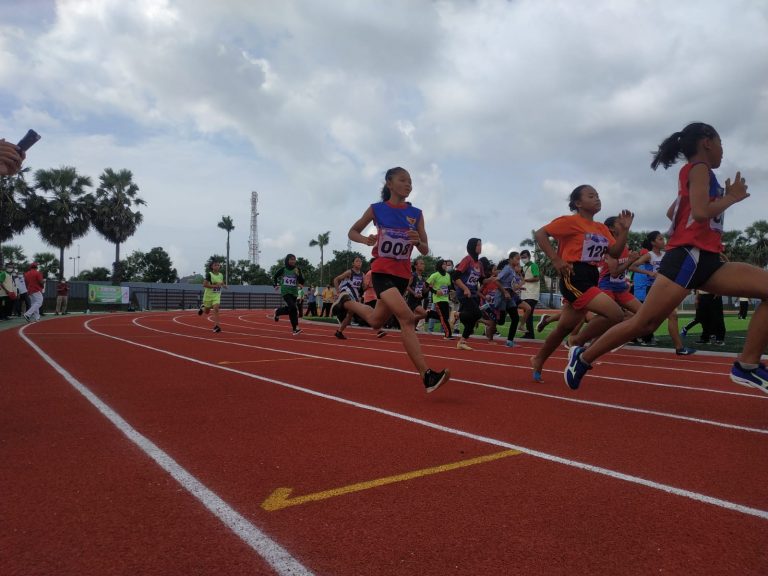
(300, 295)
(7, 292)
(35, 286)
(329, 296)
(743, 308)
(21, 290)
(311, 301)
(531, 289)
(62, 296)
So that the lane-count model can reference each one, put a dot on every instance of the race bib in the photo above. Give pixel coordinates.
(443, 291)
(289, 280)
(394, 244)
(216, 288)
(594, 248)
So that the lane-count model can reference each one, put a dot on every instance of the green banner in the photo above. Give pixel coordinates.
(98, 294)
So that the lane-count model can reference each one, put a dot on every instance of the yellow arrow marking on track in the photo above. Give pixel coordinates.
(280, 498)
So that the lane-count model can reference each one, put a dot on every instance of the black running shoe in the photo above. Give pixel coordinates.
(216, 328)
(338, 309)
(200, 311)
(433, 380)
(380, 334)
(340, 335)
(297, 331)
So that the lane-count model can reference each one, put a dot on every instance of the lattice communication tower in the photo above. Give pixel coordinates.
(253, 241)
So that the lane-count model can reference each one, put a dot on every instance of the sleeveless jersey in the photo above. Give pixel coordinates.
(685, 231)
(213, 278)
(614, 283)
(393, 248)
(419, 286)
(441, 284)
(353, 285)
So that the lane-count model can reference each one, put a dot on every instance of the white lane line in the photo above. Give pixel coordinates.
(594, 403)
(474, 360)
(274, 554)
(703, 498)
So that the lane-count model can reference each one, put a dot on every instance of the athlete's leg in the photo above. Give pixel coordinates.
(658, 305)
(607, 313)
(569, 318)
(738, 279)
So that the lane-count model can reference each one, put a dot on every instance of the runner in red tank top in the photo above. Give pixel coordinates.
(693, 259)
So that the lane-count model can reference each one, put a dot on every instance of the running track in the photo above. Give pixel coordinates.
(144, 444)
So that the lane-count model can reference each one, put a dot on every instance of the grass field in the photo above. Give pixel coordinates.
(736, 331)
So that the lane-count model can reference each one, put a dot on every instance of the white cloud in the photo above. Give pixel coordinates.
(498, 109)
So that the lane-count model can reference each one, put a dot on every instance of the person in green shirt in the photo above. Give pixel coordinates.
(531, 290)
(288, 280)
(212, 285)
(440, 283)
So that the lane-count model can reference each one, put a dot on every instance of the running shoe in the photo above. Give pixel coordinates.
(200, 311)
(27, 318)
(275, 316)
(216, 328)
(340, 335)
(528, 336)
(719, 342)
(576, 368)
(542, 322)
(685, 351)
(338, 309)
(684, 332)
(463, 345)
(757, 378)
(511, 344)
(297, 331)
(433, 380)
(381, 334)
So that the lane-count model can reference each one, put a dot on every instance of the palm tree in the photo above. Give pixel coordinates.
(757, 236)
(65, 216)
(322, 240)
(226, 224)
(17, 203)
(113, 216)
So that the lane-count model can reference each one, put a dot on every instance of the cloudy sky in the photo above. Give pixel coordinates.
(498, 109)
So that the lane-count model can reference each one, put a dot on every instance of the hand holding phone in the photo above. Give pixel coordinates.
(29, 139)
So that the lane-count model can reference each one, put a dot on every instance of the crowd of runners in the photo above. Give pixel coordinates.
(599, 312)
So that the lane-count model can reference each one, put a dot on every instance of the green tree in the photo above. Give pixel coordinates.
(14, 253)
(17, 203)
(65, 215)
(113, 215)
(98, 274)
(735, 246)
(132, 268)
(226, 225)
(47, 264)
(307, 270)
(341, 262)
(757, 238)
(322, 241)
(158, 267)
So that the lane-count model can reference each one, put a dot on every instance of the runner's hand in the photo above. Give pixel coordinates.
(737, 190)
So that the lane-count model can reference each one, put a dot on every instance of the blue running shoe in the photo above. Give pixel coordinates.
(576, 368)
(757, 378)
(685, 351)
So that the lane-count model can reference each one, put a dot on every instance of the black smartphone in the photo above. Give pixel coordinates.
(29, 139)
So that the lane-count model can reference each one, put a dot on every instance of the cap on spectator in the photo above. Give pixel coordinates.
(33, 265)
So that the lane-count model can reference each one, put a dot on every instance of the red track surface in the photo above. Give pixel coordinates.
(657, 466)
